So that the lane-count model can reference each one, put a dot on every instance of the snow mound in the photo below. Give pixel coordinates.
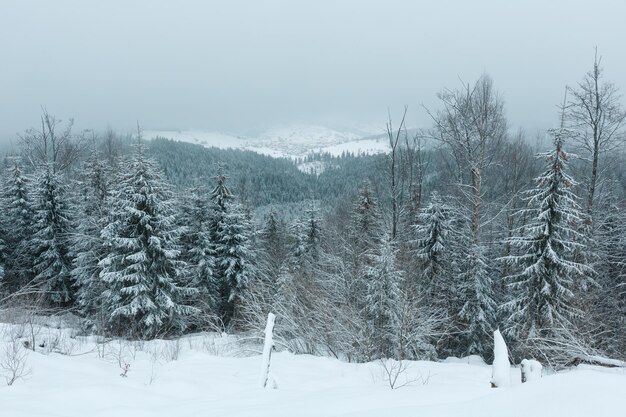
(501, 367)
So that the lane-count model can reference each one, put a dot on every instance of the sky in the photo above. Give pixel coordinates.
(243, 66)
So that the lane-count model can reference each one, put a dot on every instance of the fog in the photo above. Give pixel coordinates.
(241, 66)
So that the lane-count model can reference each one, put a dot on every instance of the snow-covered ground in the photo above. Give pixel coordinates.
(212, 375)
(289, 142)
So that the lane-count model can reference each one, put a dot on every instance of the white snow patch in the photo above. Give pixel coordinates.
(185, 378)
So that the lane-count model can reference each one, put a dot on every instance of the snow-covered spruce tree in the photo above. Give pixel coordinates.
(542, 288)
(478, 313)
(17, 222)
(432, 250)
(198, 251)
(88, 247)
(382, 299)
(362, 246)
(364, 239)
(144, 297)
(51, 238)
(230, 235)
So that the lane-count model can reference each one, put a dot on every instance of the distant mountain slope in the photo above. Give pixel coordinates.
(259, 179)
(294, 141)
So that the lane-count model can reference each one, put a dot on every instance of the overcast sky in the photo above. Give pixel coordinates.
(236, 66)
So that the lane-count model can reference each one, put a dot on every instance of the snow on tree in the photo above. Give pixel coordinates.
(51, 233)
(501, 367)
(198, 250)
(364, 239)
(478, 313)
(17, 222)
(382, 299)
(231, 236)
(88, 246)
(142, 273)
(610, 267)
(432, 250)
(542, 287)
(235, 256)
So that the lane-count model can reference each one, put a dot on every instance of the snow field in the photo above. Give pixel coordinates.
(206, 374)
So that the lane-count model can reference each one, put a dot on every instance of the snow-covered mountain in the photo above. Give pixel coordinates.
(295, 141)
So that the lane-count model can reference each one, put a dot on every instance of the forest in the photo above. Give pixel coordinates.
(464, 227)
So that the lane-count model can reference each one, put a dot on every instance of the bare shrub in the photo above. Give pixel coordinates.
(171, 350)
(397, 374)
(13, 358)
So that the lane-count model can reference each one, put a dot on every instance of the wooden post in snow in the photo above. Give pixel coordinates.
(267, 351)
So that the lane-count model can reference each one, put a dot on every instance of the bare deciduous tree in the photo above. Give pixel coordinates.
(394, 141)
(54, 144)
(595, 110)
(471, 124)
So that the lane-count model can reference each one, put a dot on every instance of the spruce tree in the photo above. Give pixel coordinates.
(364, 238)
(17, 223)
(144, 295)
(88, 247)
(478, 314)
(433, 251)
(230, 235)
(382, 300)
(198, 250)
(51, 238)
(543, 287)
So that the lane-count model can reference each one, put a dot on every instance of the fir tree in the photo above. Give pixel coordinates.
(142, 272)
(542, 288)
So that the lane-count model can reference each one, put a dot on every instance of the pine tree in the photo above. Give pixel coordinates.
(51, 238)
(542, 288)
(142, 273)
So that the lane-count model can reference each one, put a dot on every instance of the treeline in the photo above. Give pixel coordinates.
(420, 253)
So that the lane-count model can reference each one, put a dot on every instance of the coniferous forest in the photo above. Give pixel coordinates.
(462, 228)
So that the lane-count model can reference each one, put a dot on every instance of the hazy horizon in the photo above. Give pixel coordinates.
(241, 67)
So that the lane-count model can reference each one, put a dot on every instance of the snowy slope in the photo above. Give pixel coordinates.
(291, 142)
(186, 378)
